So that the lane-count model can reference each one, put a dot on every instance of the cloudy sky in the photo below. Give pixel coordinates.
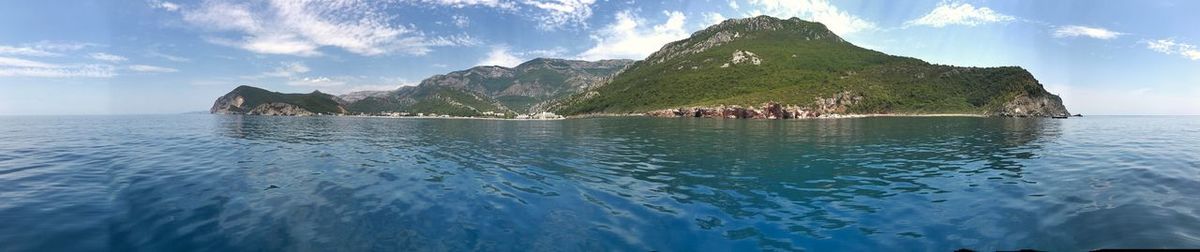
(172, 56)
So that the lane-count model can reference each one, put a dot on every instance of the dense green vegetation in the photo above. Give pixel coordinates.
(315, 102)
(801, 61)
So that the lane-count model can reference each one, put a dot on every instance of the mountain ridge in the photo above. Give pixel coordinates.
(758, 67)
(751, 63)
(480, 90)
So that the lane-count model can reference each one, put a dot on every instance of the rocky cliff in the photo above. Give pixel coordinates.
(1024, 105)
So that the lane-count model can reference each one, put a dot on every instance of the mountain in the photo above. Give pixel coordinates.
(526, 88)
(804, 69)
(429, 99)
(521, 88)
(257, 101)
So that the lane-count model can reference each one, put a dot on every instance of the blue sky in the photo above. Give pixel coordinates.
(171, 56)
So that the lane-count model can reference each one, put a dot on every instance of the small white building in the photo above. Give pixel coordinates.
(545, 116)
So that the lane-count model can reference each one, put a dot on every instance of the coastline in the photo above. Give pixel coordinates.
(612, 115)
(829, 116)
(456, 117)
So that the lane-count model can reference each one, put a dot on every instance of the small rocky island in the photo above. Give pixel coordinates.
(758, 68)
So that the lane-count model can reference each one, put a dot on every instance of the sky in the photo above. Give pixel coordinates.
(175, 56)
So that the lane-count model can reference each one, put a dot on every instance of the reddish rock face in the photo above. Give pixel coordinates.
(775, 111)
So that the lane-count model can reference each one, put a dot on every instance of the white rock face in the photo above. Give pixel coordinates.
(740, 57)
(279, 109)
(228, 104)
(1027, 106)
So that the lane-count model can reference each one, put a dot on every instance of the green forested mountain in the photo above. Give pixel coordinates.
(428, 99)
(763, 59)
(523, 89)
(252, 100)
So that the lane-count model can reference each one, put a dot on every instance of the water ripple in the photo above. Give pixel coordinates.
(199, 182)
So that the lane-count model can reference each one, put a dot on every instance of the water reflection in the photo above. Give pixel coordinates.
(780, 184)
(315, 183)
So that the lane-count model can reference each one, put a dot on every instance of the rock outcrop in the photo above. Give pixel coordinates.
(279, 109)
(229, 104)
(1047, 105)
(837, 105)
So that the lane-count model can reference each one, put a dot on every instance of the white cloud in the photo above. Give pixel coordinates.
(712, 18)
(43, 48)
(302, 28)
(957, 13)
(168, 56)
(315, 82)
(734, 5)
(61, 46)
(822, 11)
(1192, 54)
(1162, 45)
(168, 6)
(559, 13)
(461, 21)
(464, 3)
(152, 69)
(500, 56)
(556, 52)
(1170, 47)
(284, 70)
(26, 51)
(288, 69)
(630, 37)
(16, 62)
(549, 14)
(107, 57)
(15, 67)
(89, 71)
(1093, 32)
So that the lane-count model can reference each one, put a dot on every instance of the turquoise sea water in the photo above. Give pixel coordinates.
(230, 183)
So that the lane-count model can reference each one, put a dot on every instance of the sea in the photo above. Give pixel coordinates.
(203, 182)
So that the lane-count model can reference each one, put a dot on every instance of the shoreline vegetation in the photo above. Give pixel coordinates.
(615, 115)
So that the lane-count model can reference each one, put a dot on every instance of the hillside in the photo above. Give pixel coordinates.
(523, 89)
(252, 100)
(804, 66)
(428, 99)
